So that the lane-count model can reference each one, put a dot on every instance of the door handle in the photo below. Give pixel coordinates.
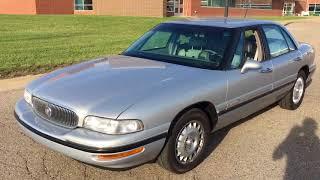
(297, 59)
(267, 70)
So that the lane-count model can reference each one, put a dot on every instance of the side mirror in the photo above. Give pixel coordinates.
(250, 65)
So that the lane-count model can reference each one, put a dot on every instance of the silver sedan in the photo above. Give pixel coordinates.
(162, 97)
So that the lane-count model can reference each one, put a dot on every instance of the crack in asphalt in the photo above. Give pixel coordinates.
(45, 168)
(26, 165)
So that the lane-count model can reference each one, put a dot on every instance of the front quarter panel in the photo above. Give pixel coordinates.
(173, 96)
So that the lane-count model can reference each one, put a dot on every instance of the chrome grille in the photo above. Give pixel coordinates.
(54, 113)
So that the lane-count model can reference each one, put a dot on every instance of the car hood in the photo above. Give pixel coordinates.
(105, 87)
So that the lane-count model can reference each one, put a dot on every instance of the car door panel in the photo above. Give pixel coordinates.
(284, 56)
(286, 68)
(246, 93)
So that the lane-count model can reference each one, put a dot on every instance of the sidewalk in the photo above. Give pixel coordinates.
(16, 83)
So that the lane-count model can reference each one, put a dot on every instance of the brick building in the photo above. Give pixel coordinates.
(159, 8)
(36, 6)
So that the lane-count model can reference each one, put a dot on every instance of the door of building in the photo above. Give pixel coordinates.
(178, 7)
(175, 7)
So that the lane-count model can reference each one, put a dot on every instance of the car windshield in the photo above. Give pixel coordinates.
(190, 45)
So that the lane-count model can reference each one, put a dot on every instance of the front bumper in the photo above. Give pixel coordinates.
(85, 145)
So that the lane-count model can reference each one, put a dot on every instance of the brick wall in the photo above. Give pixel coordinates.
(194, 8)
(36, 6)
(254, 1)
(17, 7)
(55, 6)
(300, 6)
(312, 1)
(155, 8)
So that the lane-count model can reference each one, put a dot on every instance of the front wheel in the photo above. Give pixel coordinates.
(186, 146)
(294, 98)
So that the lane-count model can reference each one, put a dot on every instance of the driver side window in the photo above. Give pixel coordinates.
(252, 46)
(248, 48)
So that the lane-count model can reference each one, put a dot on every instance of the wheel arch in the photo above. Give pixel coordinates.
(305, 69)
(207, 107)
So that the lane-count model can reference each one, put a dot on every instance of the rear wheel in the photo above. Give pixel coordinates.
(186, 146)
(294, 98)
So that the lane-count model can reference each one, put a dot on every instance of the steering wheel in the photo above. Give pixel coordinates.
(213, 56)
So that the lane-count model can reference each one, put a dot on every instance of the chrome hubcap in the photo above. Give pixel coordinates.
(298, 90)
(189, 142)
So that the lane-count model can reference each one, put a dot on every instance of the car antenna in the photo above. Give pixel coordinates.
(226, 10)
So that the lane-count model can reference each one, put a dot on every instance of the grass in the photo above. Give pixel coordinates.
(37, 44)
(281, 18)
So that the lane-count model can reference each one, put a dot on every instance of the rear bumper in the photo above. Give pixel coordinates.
(56, 138)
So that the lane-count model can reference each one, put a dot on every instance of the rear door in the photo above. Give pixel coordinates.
(284, 55)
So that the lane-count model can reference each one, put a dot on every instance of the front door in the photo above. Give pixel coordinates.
(247, 91)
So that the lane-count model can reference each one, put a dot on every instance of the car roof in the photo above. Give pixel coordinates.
(222, 22)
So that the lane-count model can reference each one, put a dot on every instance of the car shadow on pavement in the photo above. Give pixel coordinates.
(302, 150)
(217, 137)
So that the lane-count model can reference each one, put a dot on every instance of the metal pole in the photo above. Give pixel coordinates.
(226, 9)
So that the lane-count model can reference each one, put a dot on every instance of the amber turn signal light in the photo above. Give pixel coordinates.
(106, 157)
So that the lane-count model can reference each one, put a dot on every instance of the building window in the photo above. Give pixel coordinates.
(252, 5)
(288, 8)
(314, 9)
(217, 3)
(175, 6)
(170, 6)
(83, 5)
(267, 4)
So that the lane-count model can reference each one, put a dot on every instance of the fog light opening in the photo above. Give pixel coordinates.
(113, 156)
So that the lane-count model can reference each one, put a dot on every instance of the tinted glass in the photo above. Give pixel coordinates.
(276, 42)
(160, 39)
(191, 45)
(238, 55)
(291, 44)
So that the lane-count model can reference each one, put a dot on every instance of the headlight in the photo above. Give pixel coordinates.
(110, 126)
(27, 97)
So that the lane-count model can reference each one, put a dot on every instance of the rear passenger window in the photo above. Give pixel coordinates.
(290, 42)
(276, 42)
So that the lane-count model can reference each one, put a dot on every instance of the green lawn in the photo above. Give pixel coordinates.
(281, 18)
(36, 44)
(33, 44)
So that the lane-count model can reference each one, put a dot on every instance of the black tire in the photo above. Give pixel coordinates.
(287, 102)
(168, 158)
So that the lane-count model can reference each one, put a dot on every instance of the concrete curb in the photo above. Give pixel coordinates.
(16, 83)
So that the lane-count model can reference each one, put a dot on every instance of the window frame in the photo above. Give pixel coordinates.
(226, 55)
(83, 5)
(282, 30)
(285, 33)
(210, 3)
(236, 40)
